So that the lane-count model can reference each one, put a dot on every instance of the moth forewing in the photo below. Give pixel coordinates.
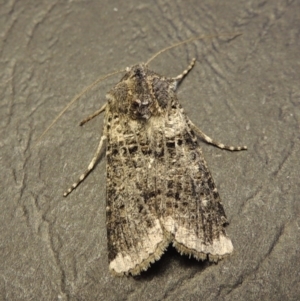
(159, 189)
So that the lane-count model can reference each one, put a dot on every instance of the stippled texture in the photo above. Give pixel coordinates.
(159, 189)
(246, 91)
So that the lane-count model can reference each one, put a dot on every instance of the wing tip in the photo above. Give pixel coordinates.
(126, 270)
(219, 249)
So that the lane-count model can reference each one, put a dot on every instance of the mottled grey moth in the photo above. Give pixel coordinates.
(159, 189)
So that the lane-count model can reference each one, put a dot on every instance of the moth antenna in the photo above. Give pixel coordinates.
(86, 89)
(188, 41)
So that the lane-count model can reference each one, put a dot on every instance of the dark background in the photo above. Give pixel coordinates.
(243, 91)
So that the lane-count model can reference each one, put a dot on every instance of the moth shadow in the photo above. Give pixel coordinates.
(167, 262)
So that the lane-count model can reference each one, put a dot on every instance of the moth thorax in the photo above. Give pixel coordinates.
(141, 107)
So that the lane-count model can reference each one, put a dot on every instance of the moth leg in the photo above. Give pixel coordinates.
(176, 80)
(213, 142)
(90, 167)
(102, 109)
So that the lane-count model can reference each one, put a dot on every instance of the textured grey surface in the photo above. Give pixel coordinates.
(245, 91)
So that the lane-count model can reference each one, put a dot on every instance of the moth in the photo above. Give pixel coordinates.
(159, 189)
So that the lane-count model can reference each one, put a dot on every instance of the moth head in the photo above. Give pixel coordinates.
(141, 93)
